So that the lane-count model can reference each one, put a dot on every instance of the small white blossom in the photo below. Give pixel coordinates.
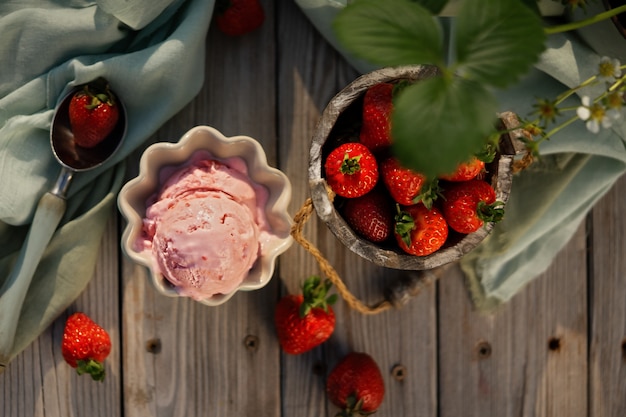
(583, 111)
(596, 115)
(609, 69)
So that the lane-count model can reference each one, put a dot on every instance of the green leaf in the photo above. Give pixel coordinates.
(497, 41)
(433, 6)
(390, 32)
(440, 122)
(533, 6)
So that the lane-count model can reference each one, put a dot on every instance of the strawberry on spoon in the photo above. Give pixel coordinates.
(93, 114)
(50, 210)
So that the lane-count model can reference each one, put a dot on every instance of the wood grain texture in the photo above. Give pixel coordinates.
(529, 358)
(556, 349)
(607, 361)
(39, 383)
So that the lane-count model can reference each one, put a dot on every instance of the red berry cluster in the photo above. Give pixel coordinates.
(306, 320)
(389, 204)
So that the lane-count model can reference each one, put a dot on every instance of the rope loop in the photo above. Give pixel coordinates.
(300, 219)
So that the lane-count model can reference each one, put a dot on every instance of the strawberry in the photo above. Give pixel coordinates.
(351, 170)
(93, 114)
(370, 216)
(420, 231)
(85, 345)
(356, 385)
(407, 187)
(466, 171)
(238, 17)
(304, 321)
(377, 107)
(467, 205)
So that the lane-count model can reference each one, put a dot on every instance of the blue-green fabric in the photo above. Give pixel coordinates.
(550, 198)
(152, 52)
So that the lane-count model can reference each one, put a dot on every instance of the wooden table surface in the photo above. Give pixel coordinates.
(558, 348)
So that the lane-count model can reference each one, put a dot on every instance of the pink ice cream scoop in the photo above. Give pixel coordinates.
(229, 177)
(206, 226)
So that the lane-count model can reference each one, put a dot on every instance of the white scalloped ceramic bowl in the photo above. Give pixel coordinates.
(134, 194)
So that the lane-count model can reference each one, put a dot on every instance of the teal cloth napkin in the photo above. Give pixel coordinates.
(550, 198)
(152, 52)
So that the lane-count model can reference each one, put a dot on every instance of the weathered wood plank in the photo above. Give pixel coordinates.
(39, 383)
(607, 363)
(311, 73)
(529, 357)
(303, 63)
(183, 358)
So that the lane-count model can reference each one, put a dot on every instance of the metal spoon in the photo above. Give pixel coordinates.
(50, 210)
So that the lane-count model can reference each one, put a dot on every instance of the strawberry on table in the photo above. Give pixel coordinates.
(85, 345)
(351, 170)
(420, 231)
(93, 114)
(370, 215)
(407, 187)
(376, 124)
(356, 385)
(468, 205)
(304, 321)
(466, 171)
(238, 17)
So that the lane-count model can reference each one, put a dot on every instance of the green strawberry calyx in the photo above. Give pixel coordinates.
(350, 165)
(489, 151)
(315, 293)
(429, 193)
(404, 224)
(491, 213)
(353, 406)
(91, 367)
(99, 92)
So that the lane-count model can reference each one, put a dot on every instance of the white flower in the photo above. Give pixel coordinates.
(609, 69)
(596, 115)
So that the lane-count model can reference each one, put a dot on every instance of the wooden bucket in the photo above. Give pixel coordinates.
(341, 117)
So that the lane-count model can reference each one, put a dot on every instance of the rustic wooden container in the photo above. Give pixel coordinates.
(339, 119)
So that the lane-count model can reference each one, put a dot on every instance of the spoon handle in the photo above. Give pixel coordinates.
(47, 217)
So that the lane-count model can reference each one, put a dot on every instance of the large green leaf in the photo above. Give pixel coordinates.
(497, 41)
(533, 6)
(440, 122)
(434, 6)
(390, 32)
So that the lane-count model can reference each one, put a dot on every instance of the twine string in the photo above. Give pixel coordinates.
(301, 217)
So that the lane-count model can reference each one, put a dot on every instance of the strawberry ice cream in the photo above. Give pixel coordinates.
(206, 226)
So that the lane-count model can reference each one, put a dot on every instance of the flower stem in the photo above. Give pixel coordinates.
(585, 22)
(559, 127)
(617, 84)
(563, 109)
(571, 91)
